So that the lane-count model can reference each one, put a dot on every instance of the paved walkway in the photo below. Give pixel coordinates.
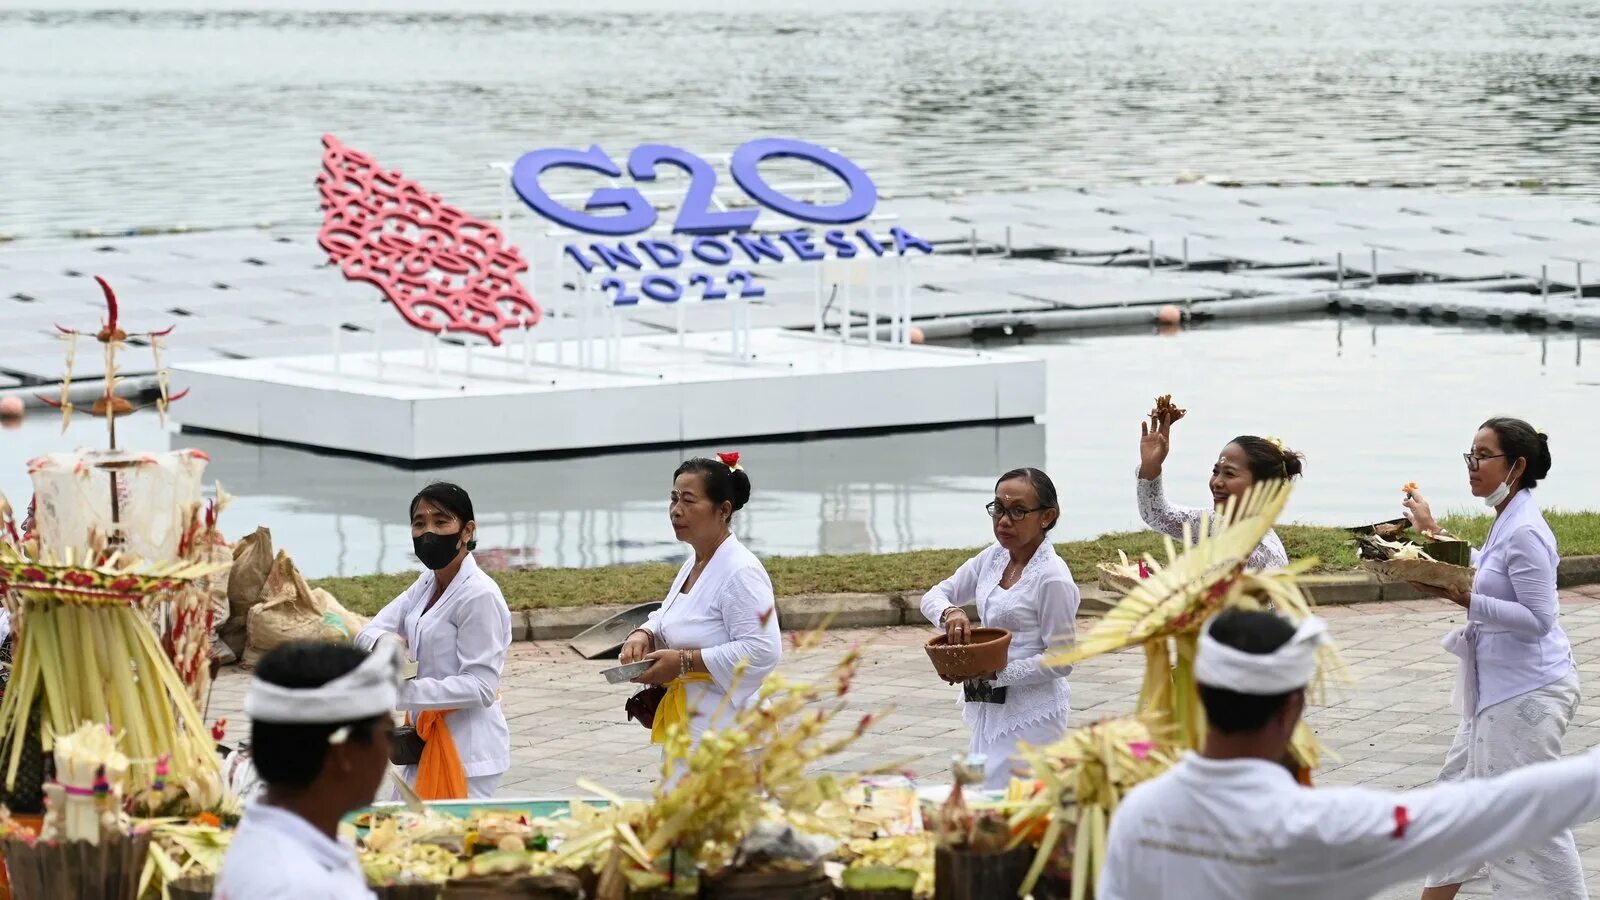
(1390, 726)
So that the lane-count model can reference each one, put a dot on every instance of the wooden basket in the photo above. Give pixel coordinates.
(979, 876)
(192, 887)
(810, 883)
(408, 891)
(76, 869)
(1425, 571)
(984, 655)
(1114, 579)
(555, 886)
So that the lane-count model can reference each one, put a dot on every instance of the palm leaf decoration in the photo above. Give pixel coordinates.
(1165, 612)
(1083, 777)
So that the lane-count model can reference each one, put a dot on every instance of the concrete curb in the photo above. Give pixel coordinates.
(885, 610)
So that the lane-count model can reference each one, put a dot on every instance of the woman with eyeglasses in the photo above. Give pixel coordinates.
(1244, 461)
(1019, 584)
(1517, 686)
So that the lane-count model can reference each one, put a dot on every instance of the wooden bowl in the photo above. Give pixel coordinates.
(985, 654)
(192, 887)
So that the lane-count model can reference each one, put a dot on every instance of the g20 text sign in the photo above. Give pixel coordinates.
(617, 212)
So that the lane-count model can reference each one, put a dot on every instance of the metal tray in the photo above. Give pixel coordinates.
(622, 674)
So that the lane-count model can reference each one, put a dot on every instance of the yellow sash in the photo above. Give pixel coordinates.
(674, 708)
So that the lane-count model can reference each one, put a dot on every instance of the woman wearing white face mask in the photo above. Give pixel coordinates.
(1517, 685)
(454, 623)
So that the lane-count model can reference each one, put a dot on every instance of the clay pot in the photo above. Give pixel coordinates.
(984, 655)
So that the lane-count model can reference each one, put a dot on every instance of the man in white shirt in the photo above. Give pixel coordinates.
(320, 722)
(1230, 822)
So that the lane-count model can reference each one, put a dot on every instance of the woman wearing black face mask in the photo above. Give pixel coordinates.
(454, 623)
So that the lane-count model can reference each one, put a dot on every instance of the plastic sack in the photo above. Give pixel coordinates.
(291, 611)
(252, 560)
(335, 616)
(771, 842)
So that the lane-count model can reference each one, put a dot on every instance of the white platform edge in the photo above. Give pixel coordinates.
(799, 384)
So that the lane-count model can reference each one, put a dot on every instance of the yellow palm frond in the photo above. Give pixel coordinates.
(1085, 775)
(1180, 595)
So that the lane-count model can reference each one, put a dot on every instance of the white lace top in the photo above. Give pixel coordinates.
(1170, 520)
(1041, 609)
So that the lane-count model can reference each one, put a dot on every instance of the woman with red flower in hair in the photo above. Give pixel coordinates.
(719, 613)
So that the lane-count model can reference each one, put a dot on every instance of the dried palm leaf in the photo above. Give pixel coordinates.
(1165, 611)
(1180, 595)
(1085, 775)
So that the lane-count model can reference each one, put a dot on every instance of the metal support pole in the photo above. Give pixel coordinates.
(872, 301)
(817, 303)
(844, 315)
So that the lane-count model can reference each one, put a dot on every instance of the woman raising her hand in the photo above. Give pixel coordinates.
(1243, 462)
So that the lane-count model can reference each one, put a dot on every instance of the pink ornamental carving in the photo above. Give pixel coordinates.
(442, 269)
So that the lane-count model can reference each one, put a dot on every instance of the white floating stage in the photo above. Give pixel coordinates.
(440, 404)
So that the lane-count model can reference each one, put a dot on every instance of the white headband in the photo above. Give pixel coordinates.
(367, 691)
(1288, 668)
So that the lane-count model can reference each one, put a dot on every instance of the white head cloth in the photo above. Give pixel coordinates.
(367, 691)
(1288, 668)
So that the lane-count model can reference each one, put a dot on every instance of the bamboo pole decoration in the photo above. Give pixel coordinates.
(85, 647)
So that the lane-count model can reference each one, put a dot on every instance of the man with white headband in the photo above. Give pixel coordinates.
(320, 720)
(1231, 823)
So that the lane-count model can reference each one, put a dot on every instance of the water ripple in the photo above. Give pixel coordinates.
(153, 116)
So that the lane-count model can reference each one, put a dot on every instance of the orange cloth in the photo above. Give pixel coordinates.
(440, 775)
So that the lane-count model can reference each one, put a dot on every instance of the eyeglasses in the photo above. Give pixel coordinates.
(1014, 513)
(1474, 461)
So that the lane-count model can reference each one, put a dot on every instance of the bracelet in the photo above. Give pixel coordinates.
(685, 662)
(944, 616)
(647, 633)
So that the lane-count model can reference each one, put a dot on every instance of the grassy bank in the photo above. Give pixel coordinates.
(1578, 534)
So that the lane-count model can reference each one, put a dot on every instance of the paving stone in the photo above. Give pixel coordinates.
(1389, 725)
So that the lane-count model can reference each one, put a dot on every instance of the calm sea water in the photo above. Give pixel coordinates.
(208, 113)
(1373, 405)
